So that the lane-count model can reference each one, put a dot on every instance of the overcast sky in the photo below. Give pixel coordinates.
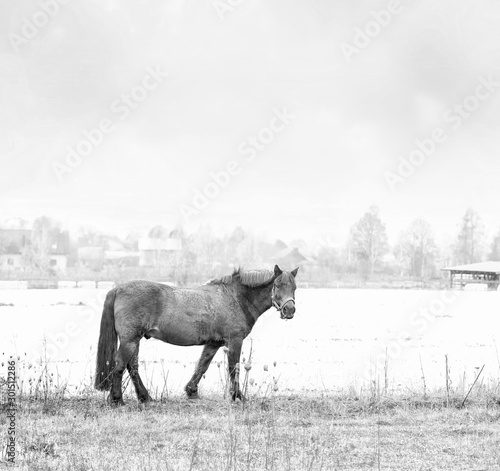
(335, 92)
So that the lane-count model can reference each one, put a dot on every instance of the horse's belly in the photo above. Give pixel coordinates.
(183, 333)
(191, 319)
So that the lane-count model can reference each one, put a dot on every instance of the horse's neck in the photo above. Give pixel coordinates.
(260, 298)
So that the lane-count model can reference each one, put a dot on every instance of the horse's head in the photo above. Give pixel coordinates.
(283, 293)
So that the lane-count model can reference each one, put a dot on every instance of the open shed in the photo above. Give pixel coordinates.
(487, 273)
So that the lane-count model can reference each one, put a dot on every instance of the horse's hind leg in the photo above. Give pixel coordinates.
(133, 370)
(203, 363)
(123, 356)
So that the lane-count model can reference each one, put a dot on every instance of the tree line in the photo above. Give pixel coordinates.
(415, 253)
(367, 254)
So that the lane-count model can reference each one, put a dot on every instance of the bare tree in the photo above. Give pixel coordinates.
(495, 248)
(468, 248)
(3, 245)
(90, 238)
(159, 232)
(417, 248)
(369, 240)
(40, 240)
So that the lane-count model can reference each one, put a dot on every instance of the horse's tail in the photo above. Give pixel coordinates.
(106, 348)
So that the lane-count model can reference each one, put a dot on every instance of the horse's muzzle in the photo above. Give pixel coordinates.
(288, 311)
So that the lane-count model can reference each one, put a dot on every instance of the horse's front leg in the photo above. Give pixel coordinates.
(234, 353)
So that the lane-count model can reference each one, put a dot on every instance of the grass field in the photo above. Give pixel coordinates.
(59, 428)
(268, 433)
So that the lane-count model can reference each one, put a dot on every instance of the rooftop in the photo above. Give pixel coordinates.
(482, 267)
(170, 244)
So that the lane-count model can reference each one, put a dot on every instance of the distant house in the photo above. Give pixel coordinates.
(124, 258)
(290, 258)
(279, 245)
(91, 257)
(117, 253)
(12, 243)
(58, 250)
(154, 252)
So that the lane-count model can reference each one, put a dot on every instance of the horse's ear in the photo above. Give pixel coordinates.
(277, 270)
(294, 272)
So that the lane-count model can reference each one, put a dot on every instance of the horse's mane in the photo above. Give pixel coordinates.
(249, 278)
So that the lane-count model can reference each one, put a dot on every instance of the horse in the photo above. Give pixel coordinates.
(219, 313)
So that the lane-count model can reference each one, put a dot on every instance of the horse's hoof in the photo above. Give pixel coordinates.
(191, 393)
(115, 402)
(146, 399)
(238, 395)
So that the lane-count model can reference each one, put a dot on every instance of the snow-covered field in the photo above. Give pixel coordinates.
(338, 339)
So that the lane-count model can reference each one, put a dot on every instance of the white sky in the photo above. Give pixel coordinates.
(352, 119)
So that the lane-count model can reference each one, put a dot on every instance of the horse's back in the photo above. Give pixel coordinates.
(142, 291)
(182, 316)
(136, 287)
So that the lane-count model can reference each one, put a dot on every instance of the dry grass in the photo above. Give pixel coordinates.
(59, 429)
(272, 433)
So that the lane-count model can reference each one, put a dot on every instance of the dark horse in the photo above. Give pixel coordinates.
(221, 312)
